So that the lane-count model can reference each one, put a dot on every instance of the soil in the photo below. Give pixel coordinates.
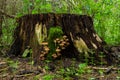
(62, 69)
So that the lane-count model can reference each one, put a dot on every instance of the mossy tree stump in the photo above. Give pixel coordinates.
(33, 31)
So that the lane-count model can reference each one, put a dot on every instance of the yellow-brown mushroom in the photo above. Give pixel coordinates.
(46, 49)
(61, 45)
(54, 55)
(41, 55)
(63, 42)
(66, 39)
(58, 54)
(44, 43)
(58, 50)
(57, 39)
(64, 36)
(67, 43)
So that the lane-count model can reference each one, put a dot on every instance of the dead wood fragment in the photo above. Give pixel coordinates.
(103, 68)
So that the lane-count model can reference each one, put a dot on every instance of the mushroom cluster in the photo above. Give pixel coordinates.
(45, 50)
(60, 43)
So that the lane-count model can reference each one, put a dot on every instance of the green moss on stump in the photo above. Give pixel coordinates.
(54, 32)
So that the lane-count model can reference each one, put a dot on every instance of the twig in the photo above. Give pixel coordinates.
(24, 75)
(104, 68)
(4, 69)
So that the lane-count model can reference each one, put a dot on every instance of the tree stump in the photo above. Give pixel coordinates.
(33, 31)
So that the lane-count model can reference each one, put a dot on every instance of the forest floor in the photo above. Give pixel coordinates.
(62, 69)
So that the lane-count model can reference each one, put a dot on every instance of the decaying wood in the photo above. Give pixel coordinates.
(32, 30)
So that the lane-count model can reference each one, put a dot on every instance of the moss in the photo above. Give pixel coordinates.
(54, 32)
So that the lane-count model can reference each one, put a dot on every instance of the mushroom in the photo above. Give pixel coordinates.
(42, 52)
(54, 55)
(61, 44)
(44, 43)
(58, 54)
(46, 49)
(62, 47)
(41, 55)
(61, 40)
(58, 50)
(64, 36)
(66, 39)
(57, 39)
(45, 53)
(67, 43)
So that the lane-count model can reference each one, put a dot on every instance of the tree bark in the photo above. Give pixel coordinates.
(83, 40)
(2, 6)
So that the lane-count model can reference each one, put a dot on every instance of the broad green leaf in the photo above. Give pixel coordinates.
(26, 52)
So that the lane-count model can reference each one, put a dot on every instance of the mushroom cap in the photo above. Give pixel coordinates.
(66, 39)
(64, 42)
(57, 39)
(62, 47)
(46, 49)
(41, 55)
(61, 44)
(58, 50)
(44, 43)
(64, 36)
(54, 55)
(67, 43)
(45, 53)
(61, 40)
(58, 54)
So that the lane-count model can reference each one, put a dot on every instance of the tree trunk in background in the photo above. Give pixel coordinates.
(2, 7)
(78, 28)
